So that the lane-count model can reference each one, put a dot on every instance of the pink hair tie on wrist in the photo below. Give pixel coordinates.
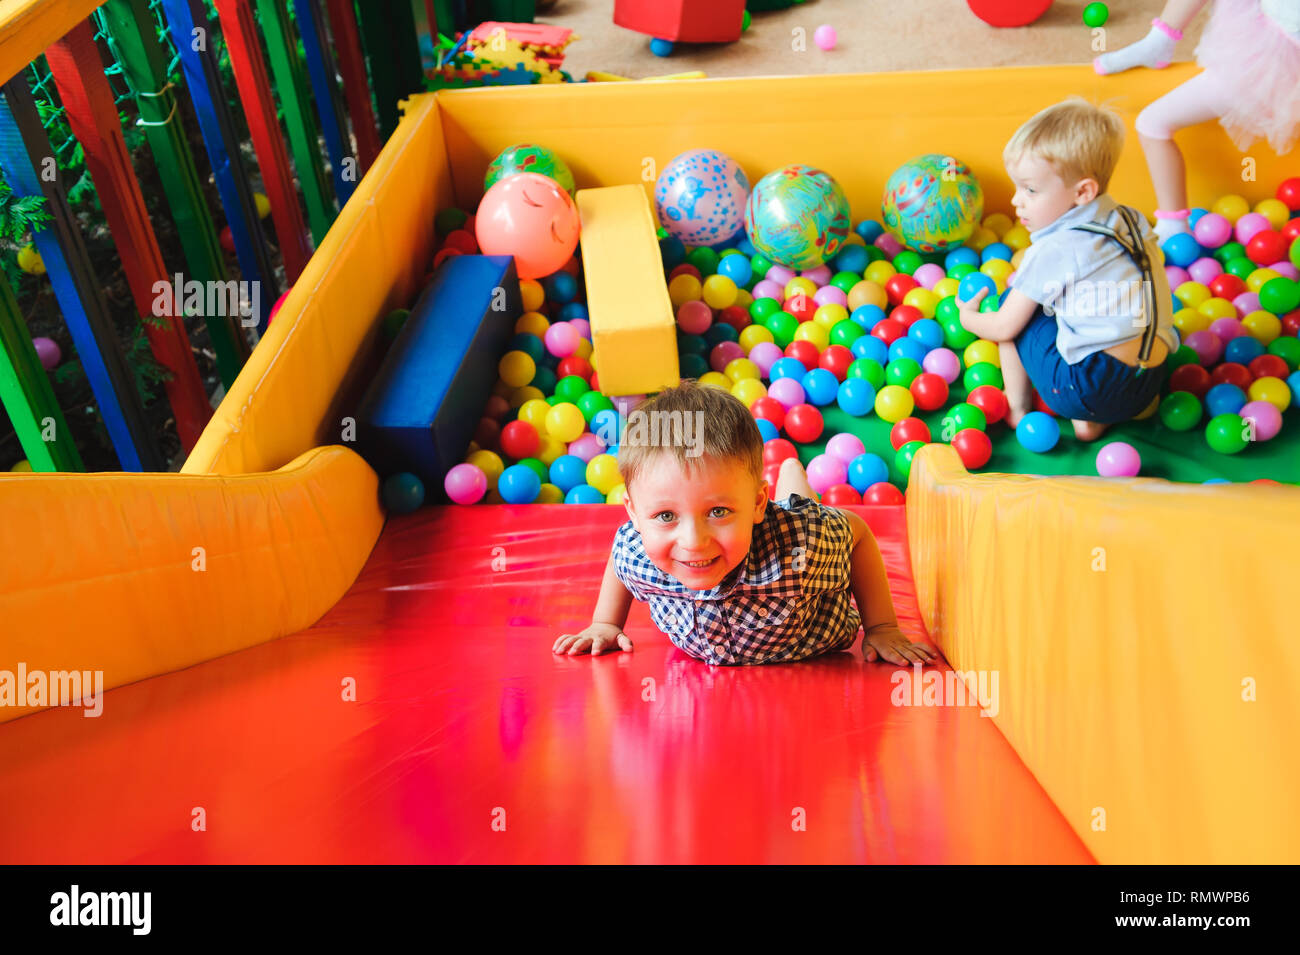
(1167, 30)
(1177, 214)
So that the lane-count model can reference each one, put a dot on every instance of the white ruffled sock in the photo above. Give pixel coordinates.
(1168, 227)
(1153, 51)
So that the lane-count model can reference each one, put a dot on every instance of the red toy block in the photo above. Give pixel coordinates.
(688, 21)
(1008, 13)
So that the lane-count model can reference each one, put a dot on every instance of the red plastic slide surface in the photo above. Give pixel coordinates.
(464, 723)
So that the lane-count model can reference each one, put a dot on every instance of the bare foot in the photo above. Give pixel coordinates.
(1089, 430)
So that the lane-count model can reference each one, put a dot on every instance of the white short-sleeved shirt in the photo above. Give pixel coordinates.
(1090, 285)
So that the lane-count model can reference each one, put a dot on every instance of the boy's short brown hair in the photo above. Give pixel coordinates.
(716, 424)
(1080, 140)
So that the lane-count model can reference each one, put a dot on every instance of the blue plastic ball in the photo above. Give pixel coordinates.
(1225, 398)
(720, 332)
(868, 346)
(867, 316)
(403, 493)
(787, 368)
(746, 247)
(1181, 250)
(583, 494)
(529, 344)
(767, 429)
(608, 425)
(688, 344)
(659, 48)
(928, 332)
(820, 386)
(545, 379)
(856, 396)
(908, 347)
(1293, 381)
(673, 252)
(961, 256)
(851, 258)
(736, 268)
(692, 366)
(1216, 481)
(568, 471)
(996, 250)
(519, 484)
(867, 469)
(1038, 432)
(972, 284)
(561, 288)
(1195, 217)
(1243, 350)
(870, 230)
(573, 310)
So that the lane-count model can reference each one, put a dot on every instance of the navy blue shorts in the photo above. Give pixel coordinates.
(1099, 388)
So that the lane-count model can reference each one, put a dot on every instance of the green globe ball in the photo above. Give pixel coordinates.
(527, 157)
(1240, 267)
(961, 270)
(982, 373)
(846, 332)
(1280, 295)
(395, 319)
(903, 457)
(763, 308)
(761, 265)
(704, 259)
(902, 371)
(1186, 355)
(538, 468)
(1295, 253)
(844, 281)
(955, 335)
(592, 403)
(947, 309)
(907, 262)
(960, 417)
(1229, 251)
(782, 325)
(1180, 411)
(1226, 433)
(1096, 15)
(869, 370)
(1286, 348)
(571, 388)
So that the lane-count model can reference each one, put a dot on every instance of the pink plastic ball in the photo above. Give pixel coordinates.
(275, 309)
(1118, 459)
(583, 326)
(1176, 276)
(765, 355)
(626, 404)
(1249, 225)
(1268, 420)
(769, 289)
(1207, 345)
(694, 317)
(846, 447)
(532, 218)
(928, 274)
(780, 275)
(48, 351)
(562, 339)
(887, 244)
(1286, 270)
(820, 275)
(586, 446)
(942, 362)
(724, 353)
(1212, 230)
(465, 484)
(825, 471)
(1204, 270)
(1227, 329)
(1246, 302)
(830, 295)
(825, 37)
(787, 391)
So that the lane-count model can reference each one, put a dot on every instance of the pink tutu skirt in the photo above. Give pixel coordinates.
(1252, 56)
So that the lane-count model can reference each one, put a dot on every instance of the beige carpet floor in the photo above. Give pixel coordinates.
(874, 36)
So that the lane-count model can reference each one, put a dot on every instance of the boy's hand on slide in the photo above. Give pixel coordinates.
(597, 638)
(890, 643)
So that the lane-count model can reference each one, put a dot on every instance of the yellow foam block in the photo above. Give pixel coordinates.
(633, 332)
(1143, 634)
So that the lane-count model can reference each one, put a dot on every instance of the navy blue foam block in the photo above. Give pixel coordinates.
(421, 411)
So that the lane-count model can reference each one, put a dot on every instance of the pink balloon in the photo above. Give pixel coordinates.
(694, 317)
(1250, 225)
(769, 289)
(830, 295)
(1205, 270)
(465, 484)
(825, 471)
(1118, 459)
(724, 353)
(1207, 345)
(562, 339)
(48, 351)
(787, 391)
(929, 274)
(821, 275)
(846, 446)
(765, 355)
(586, 446)
(942, 362)
(1268, 420)
(1212, 230)
(532, 218)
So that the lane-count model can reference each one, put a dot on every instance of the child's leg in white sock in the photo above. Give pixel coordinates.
(1153, 51)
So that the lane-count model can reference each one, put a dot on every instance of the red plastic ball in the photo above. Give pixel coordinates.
(899, 285)
(461, 241)
(973, 447)
(1232, 373)
(907, 315)
(802, 307)
(487, 434)
(1291, 324)
(1190, 378)
(1288, 191)
(882, 493)
(1041, 405)
(735, 316)
(888, 330)
(594, 382)
(991, 401)
(777, 450)
(909, 429)
(803, 423)
(1269, 366)
(496, 408)
(839, 495)
(771, 474)
(805, 351)
(519, 440)
(574, 365)
(1267, 247)
(769, 409)
(684, 269)
(836, 359)
(930, 391)
(1227, 286)
(445, 254)
(1291, 231)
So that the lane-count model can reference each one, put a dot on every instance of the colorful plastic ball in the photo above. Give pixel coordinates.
(803, 423)
(565, 422)
(870, 348)
(700, 198)
(1242, 350)
(1231, 373)
(1266, 419)
(1038, 432)
(661, 47)
(519, 439)
(1180, 411)
(1267, 247)
(820, 386)
(561, 288)
(1207, 345)
(845, 446)
(737, 268)
(841, 495)
(584, 494)
(1280, 295)
(562, 339)
(902, 372)
(1293, 383)
(991, 401)
(465, 484)
(1212, 230)
(516, 368)
(586, 446)
(904, 455)
(1272, 390)
(944, 363)
(867, 469)
(766, 429)
(825, 37)
(974, 283)
(48, 351)
(567, 472)
(856, 396)
(929, 391)
(909, 429)
(882, 493)
(894, 403)
(933, 203)
(602, 473)
(1287, 348)
(825, 471)
(525, 157)
(1224, 399)
(519, 484)
(770, 409)
(973, 446)
(1096, 15)
(531, 218)
(403, 493)
(1227, 433)
(1181, 249)
(1190, 378)
(788, 391)
(776, 451)
(980, 374)
(1118, 459)
(797, 216)
(787, 367)
(837, 360)
(908, 348)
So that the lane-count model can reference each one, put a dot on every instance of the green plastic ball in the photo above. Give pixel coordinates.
(593, 402)
(982, 373)
(1280, 295)
(1186, 355)
(761, 265)
(1226, 433)
(537, 467)
(903, 457)
(704, 259)
(960, 417)
(874, 254)
(1286, 348)
(908, 261)
(1229, 251)
(961, 270)
(1180, 411)
(1240, 267)
(955, 335)
(846, 332)
(902, 371)
(990, 304)
(1295, 253)
(947, 309)
(763, 308)
(844, 281)
(869, 370)
(782, 325)
(1095, 15)
(571, 388)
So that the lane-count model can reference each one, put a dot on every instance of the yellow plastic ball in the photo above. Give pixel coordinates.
(490, 463)
(999, 223)
(982, 239)
(517, 368)
(998, 270)
(1270, 389)
(1230, 207)
(752, 335)
(945, 287)
(23, 466)
(868, 293)
(1188, 321)
(616, 495)
(549, 449)
(549, 494)
(799, 286)
(473, 447)
(1149, 410)
(565, 422)
(584, 350)
(879, 272)
(1262, 326)
(532, 293)
(493, 496)
(982, 351)
(719, 291)
(1016, 238)
(684, 288)
(30, 261)
(1192, 294)
(1259, 278)
(1217, 308)
(748, 390)
(602, 473)
(813, 332)
(855, 239)
(743, 299)
(1275, 211)
(521, 396)
(828, 315)
(533, 323)
(534, 412)
(715, 379)
(923, 299)
(1017, 257)
(740, 368)
(894, 403)
(263, 205)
